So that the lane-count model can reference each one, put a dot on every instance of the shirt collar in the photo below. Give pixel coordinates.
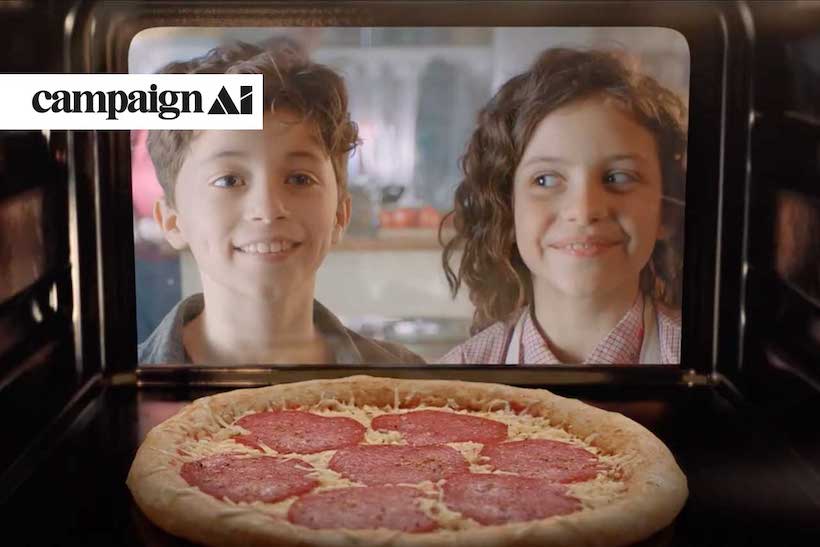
(337, 336)
(621, 345)
(342, 345)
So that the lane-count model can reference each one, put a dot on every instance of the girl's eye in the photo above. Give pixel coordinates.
(547, 181)
(228, 181)
(619, 178)
(300, 179)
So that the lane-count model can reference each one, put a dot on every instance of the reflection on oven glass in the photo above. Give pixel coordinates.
(22, 246)
(797, 245)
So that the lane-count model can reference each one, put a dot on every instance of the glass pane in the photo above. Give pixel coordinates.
(415, 94)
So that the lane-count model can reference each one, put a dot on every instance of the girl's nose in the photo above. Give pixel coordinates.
(586, 202)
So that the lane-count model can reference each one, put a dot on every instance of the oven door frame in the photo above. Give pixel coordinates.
(98, 38)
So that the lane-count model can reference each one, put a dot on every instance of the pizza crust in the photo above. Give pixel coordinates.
(655, 486)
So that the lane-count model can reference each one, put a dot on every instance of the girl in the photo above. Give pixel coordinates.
(569, 217)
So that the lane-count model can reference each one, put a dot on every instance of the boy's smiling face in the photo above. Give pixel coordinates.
(587, 200)
(259, 209)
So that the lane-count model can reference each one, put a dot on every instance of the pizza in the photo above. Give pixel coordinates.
(381, 461)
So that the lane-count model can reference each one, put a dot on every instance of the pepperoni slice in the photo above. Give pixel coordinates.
(426, 427)
(369, 507)
(497, 499)
(300, 432)
(541, 458)
(263, 478)
(394, 464)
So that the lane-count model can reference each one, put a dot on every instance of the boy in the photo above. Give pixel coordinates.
(259, 211)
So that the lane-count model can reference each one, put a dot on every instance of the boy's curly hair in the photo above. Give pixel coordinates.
(491, 266)
(291, 81)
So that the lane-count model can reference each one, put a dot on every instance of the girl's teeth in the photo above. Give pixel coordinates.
(263, 248)
(275, 247)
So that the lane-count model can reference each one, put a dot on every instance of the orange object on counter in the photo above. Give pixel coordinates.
(405, 217)
(386, 219)
(429, 217)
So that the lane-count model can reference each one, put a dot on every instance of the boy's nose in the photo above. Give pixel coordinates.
(266, 205)
(586, 203)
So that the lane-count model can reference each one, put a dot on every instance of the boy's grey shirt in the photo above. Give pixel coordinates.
(164, 345)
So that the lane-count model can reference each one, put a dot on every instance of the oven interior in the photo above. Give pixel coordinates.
(738, 414)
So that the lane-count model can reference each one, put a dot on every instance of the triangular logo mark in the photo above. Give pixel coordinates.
(223, 104)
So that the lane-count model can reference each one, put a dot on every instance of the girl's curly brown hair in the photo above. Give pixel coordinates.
(291, 81)
(498, 280)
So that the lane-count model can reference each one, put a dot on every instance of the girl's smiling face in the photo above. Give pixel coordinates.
(587, 200)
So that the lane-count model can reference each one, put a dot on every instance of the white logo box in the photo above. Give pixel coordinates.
(131, 101)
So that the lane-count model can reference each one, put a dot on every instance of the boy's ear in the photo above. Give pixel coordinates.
(342, 219)
(167, 218)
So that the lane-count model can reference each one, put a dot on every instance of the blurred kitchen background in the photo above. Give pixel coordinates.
(414, 93)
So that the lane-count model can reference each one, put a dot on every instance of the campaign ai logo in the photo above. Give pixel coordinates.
(130, 101)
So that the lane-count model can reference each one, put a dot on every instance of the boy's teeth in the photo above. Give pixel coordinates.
(266, 248)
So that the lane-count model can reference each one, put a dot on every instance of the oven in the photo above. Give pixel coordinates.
(739, 413)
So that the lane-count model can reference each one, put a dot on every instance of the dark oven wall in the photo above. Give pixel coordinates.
(39, 374)
(781, 351)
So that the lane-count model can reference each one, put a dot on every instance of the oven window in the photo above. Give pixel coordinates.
(596, 229)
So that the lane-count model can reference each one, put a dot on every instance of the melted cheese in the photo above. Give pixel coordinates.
(217, 438)
(600, 491)
(447, 518)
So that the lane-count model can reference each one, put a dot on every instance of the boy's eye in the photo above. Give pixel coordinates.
(228, 181)
(547, 181)
(619, 178)
(300, 179)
